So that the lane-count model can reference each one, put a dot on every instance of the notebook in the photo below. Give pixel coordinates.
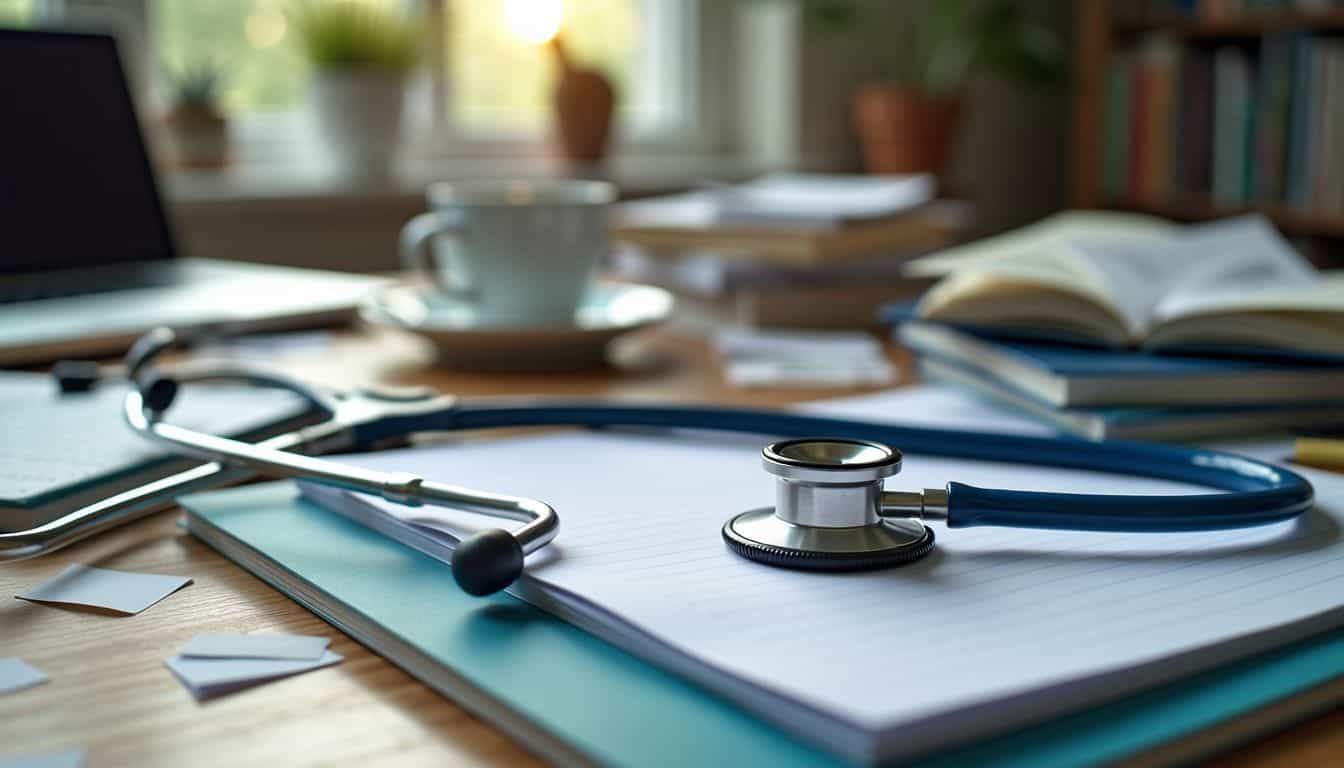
(515, 665)
(999, 629)
(1063, 376)
(1140, 422)
(64, 451)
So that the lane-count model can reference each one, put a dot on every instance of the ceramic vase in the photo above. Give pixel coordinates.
(359, 115)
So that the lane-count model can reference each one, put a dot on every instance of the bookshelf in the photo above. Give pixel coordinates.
(1112, 35)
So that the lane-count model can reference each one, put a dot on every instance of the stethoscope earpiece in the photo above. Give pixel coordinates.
(488, 561)
(157, 391)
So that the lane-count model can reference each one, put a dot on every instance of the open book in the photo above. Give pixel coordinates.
(1120, 280)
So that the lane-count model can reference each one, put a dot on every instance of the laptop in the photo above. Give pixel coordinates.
(87, 260)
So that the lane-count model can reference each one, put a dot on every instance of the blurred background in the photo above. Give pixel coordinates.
(707, 91)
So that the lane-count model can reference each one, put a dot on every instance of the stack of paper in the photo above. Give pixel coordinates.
(758, 358)
(213, 665)
(996, 629)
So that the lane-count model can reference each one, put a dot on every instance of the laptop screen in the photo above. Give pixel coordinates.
(76, 187)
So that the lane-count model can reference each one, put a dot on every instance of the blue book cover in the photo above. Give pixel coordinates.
(1068, 376)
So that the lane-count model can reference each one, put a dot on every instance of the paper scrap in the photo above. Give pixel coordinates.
(265, 646)
(15, 675)
(206, 678)
(756, 358)
(64, 758)
(119, 591)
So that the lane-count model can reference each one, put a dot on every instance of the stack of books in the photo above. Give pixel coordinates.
(1145, 332)
(1230, 124)
(789, 250)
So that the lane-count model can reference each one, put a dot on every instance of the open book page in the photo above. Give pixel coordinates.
(1306, 320)
(1061, 229)
(998, 627)
(1078, 274)
(1241, 261)
(1231, 257)
(1054, 289)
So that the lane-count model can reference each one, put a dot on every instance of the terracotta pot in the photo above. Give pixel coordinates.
(198, 136)
(584, 104)
(904, 131)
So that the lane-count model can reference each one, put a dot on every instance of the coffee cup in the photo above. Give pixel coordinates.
(518, 253)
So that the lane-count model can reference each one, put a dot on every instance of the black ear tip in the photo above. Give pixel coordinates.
(158, 392)
(487, 562)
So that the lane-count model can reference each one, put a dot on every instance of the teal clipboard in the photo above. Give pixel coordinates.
(566, 693)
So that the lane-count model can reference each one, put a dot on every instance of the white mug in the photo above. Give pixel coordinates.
(520, 253)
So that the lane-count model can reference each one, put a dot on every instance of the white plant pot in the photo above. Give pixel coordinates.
(358, 116)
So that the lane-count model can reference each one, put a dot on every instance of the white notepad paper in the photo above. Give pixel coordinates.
(997, 628)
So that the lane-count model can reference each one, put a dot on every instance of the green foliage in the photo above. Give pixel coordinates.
(356, 34)
(946, 41)
(196, 85)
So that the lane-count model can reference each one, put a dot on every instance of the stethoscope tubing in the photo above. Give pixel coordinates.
(1253, 492)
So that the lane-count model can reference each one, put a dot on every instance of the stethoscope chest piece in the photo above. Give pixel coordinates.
(828, 510)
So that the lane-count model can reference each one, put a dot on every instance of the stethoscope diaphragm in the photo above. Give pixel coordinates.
(829, 510)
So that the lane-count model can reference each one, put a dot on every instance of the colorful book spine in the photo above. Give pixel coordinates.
(1227, 125)
(1115, 142)
(1301, 112)
(1232, 116)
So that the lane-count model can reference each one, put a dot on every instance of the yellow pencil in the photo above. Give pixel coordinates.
(1324, 452)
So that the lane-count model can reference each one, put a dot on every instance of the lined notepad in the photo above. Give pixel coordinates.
(997, 628)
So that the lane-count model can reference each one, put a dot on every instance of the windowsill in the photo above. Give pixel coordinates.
(635, 175)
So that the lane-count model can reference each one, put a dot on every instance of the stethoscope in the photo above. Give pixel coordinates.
(831, 512)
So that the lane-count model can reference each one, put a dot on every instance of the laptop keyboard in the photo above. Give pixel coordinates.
(81, 282)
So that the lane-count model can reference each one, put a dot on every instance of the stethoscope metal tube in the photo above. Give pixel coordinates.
(484, 562)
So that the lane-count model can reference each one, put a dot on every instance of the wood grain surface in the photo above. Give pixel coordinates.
(110, 693)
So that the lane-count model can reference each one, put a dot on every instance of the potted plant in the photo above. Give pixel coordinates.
(196, 129)
(362, 54)
(907, 116)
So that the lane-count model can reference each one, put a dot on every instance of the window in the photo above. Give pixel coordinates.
(485, 84)
(15, 12)
(248, 41)
(498, 81)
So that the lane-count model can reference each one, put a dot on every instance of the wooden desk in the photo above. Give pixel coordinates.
(110, 692)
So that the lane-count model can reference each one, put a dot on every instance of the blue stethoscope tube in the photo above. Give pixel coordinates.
(1253, 492)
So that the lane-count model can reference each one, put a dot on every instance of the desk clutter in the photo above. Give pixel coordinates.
(115, 591)
(1122, 326)
(214, 665)
(789, 250)
(775, 358)
(15, 675)
(208, 666)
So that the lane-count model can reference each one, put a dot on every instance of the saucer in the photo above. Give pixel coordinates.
(463, 341)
